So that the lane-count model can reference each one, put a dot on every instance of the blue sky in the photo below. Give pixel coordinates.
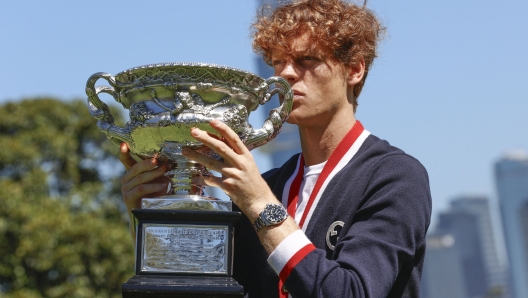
(449, 87)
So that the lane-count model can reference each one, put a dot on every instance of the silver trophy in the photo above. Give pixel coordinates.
(165, 101)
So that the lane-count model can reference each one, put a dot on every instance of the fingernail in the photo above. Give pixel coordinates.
(215, 122)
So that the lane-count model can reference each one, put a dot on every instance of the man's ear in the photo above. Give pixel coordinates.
(356, 72)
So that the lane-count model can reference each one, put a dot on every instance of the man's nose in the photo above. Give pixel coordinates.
(289, 72)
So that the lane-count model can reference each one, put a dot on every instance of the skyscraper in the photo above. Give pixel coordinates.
(286, 143)
(463, 225)
(442, 274)
(462, 246)
(479, 206)
(511, 174)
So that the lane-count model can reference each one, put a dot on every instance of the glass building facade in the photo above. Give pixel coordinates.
(511, 174)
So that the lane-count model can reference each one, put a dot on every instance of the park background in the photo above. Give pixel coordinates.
(449, 86)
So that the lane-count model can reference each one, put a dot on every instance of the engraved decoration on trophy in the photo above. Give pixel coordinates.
(166, 100)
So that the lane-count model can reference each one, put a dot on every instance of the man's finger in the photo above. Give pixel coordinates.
(143, 171)
(232, 139)
(133, 196)
(207, 181)
(218, 146)
(125, 157)
(208, 162)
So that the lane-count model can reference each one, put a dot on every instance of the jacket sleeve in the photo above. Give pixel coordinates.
(379, 251)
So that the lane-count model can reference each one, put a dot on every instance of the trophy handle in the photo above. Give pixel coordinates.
(100, 111)
(277, 116)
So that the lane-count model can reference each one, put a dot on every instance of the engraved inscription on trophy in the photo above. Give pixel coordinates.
(185, 248)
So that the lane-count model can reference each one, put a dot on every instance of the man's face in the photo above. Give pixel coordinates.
(318, 82)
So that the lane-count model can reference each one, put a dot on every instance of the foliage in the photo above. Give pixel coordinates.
(62, 230)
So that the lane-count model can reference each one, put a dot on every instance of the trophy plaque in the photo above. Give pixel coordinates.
(184, 240)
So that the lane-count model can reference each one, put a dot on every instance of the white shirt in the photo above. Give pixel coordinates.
(310, 176)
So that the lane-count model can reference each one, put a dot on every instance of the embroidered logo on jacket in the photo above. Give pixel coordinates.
(332, 235)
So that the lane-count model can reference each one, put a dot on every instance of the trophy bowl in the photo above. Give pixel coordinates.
(166, 100)
(184, 239)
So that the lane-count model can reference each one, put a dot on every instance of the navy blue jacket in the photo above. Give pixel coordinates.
(382, 196)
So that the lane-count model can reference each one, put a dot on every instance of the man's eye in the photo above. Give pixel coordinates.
(307, 60)
(277, 62)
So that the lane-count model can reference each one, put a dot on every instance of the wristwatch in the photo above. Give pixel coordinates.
(272, 214)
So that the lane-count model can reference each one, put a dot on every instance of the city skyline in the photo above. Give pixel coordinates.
(466, 242)
(462, 259)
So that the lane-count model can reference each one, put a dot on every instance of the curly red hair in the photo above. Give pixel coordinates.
(350, 31)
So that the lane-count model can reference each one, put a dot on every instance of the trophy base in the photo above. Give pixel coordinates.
(183, 253)
(164, 286)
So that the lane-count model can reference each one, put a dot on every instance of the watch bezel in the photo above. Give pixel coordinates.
(272, 214)
(275, 213)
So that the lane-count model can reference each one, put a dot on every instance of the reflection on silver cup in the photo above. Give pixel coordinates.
(166, 100)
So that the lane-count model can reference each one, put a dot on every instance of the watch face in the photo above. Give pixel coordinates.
(275, 213)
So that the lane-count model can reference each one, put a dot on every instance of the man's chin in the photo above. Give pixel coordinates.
(291, 120)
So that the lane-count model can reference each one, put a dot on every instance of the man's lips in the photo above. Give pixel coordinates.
(297, 93)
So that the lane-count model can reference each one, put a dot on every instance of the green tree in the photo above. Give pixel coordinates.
(62, 229)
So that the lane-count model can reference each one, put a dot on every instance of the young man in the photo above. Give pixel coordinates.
(358, 208)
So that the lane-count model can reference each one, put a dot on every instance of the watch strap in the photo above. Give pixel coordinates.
(263, 221)
(259, 224)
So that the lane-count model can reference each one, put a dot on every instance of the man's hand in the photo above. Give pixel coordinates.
(142, 179)
(241, 179)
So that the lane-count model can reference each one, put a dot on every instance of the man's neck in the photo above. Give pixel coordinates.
(318, 143)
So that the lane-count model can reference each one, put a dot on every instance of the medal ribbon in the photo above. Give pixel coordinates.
(330, 165)
(295, 187)
(332, 162)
